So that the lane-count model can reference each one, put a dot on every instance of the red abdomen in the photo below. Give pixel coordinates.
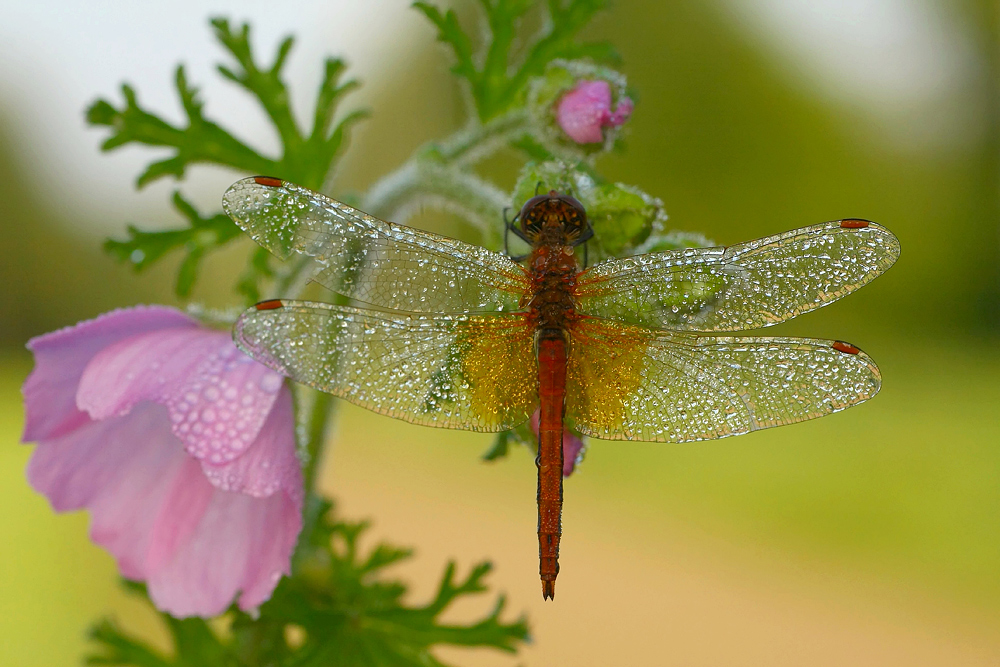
(551, 394)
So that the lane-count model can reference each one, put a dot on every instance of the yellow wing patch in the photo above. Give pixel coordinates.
(605, 367)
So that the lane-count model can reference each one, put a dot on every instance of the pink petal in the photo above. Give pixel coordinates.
(622, 112)
(122, 470)
(181, 512)
(241, 543)
(218, 397)
(583, 111)
(131, 391)
(154, 510)
(60, 357)
(270, 464)
(572, 445)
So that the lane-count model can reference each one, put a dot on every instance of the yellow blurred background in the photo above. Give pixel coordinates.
(866, 538)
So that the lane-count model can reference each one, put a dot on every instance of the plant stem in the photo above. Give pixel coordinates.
(478, 141)
(316, 423)
(422, 182)
(438, 175)
(294, 278)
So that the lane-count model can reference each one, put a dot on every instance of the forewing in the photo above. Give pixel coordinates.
(746, 286)
(471, 372)
(630, 383)
(370, 260)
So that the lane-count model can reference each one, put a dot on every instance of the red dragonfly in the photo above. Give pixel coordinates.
(453, 335)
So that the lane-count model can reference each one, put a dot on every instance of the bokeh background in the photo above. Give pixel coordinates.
(867, 538)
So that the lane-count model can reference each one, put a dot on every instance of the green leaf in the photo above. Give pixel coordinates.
(203, 234)
(498, 84)
(304, 159)
(450, 33)
(114, 647)
(342, 608)
(195, 643)
(500, 447)
(625, 219)
(200, 141)
(519, 436)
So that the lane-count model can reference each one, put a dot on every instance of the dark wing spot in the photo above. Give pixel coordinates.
(854, 223)
(846, 348)
(269, 181)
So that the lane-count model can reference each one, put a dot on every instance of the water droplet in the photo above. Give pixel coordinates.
(270, 383)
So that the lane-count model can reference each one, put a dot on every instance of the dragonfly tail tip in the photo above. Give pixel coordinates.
(548, 590)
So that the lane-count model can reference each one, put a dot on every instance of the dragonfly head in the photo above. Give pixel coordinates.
(556, 215)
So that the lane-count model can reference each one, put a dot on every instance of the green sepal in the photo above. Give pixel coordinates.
(517, 436)
(625, 220)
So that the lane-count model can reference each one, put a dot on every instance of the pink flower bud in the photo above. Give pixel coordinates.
(572, 446)
(586, 110)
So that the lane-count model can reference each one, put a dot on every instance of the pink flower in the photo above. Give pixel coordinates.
(181, 447)
(586, 110)
(572, 446)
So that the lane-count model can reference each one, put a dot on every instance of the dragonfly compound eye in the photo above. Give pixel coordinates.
(562, 211)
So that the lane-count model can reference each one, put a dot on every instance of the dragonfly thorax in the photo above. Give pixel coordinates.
(553, 271)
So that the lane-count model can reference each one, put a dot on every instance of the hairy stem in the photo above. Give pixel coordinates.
(422, 182)
(314, 425)
(436, 175)
(478, 141)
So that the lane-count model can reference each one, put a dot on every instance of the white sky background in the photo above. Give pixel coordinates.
(900, 60)
(56, 58)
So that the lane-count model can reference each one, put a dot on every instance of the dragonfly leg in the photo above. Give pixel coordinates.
(509, 226)
(506, 230)
(585, 235)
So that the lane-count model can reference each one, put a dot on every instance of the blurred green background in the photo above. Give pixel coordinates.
(869, 537)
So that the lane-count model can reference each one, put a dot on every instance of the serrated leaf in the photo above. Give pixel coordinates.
(203, 235)
(498, 84)
(114, 647)
(304, 160)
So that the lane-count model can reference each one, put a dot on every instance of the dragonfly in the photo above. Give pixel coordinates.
(448, 334)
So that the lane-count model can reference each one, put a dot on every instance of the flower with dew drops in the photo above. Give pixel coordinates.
(181, 447)
(584, 112)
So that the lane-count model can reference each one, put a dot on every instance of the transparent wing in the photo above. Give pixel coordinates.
(472, 372)
(747, 286)
(630, 383)
(370, 260)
